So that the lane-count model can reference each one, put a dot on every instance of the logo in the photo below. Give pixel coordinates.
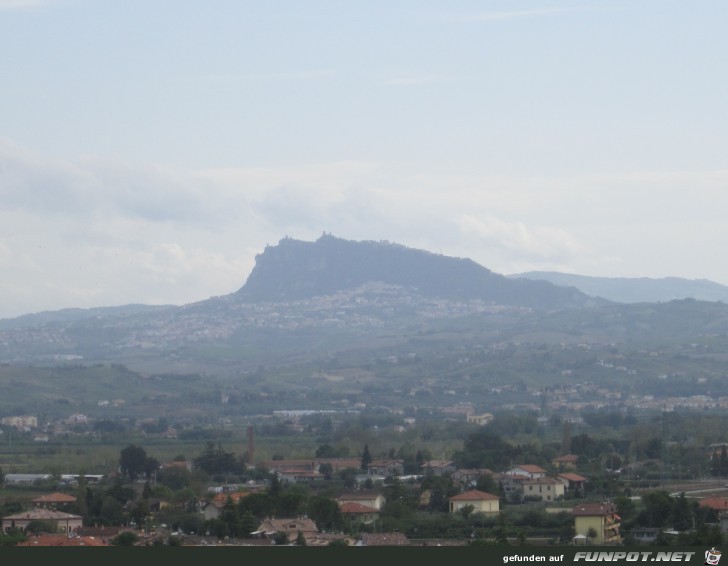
(712, 557)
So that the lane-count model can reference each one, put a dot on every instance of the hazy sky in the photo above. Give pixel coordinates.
(149, 148)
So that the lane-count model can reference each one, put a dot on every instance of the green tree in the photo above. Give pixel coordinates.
(81, 507)
(366, 458)
(215, 460)
(325, 512)
(133, 461)
(231, 517)
(126, 538)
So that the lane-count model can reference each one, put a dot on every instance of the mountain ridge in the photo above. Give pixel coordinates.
(295, 269)
(634, 289)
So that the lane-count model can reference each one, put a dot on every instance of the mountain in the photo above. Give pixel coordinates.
(334, 323)
(634, 290)
(295, 270)
(74, 314)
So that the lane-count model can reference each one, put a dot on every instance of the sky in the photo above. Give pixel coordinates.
(149, 149)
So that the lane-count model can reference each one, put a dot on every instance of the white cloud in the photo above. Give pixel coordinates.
(101, 232)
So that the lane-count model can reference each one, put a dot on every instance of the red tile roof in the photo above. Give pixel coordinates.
(474, 495)
(572, 477)
(717, 503)
(56, 497)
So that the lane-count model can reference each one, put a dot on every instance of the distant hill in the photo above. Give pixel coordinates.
(75, 314)
(295, 270)
(633, 290)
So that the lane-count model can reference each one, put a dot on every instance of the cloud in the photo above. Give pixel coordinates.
(93, 232)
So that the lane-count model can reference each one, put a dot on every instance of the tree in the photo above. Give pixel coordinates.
(591, 534)
(132, 461)
(366, 458)
(326, 451)
(125, 539)
(214, 460)
(325, 512)
(301, 540)
(81, 507)
(231, 517)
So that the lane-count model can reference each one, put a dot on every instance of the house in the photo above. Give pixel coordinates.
(565, 462)
(357, 513)
(386, 468)
(602, 518)
(511, 484)
(339, 464)
(213, 509)
(64, 522)
(438, 467)
(299, 476)
(481, 420)
(291, 527)
(719, 504)
(547, 489)
(470, 476)
(54, 500)
(529, 470)
(480, 501)
(373, 500)
(572, 482)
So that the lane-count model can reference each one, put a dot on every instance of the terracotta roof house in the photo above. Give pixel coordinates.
(358, 513)
(213, 508)
(602, 517)
(481, 502)
(572, 481)
(64, 522)
(270, 527)
(720, 504)
(565, 462)
(374, 500)
(54, 500)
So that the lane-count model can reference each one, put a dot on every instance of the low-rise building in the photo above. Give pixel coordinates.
(480, 501)
(601, 519)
